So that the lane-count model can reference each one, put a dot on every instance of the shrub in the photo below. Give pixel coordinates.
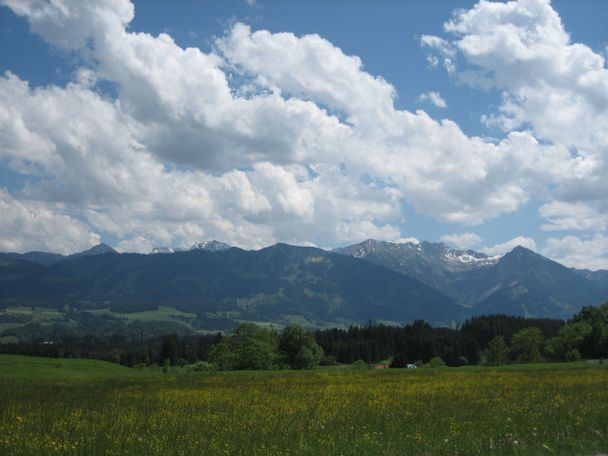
(200, 366)
(573, 355)
(329, 360)
(436, 362)
(360, 364)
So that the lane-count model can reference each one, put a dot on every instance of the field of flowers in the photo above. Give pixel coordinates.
(324, 412)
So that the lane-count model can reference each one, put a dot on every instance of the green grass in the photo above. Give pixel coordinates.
(162, 313)
(46, 316)
(5, 326)
(90, 407)
(29, 368)
(38, 313)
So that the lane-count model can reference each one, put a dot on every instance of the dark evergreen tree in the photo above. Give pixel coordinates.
(171, 349)
(398, 362)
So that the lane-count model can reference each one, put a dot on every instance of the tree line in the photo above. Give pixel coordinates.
(486, 340)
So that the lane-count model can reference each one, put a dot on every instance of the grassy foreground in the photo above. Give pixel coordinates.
(90, 407)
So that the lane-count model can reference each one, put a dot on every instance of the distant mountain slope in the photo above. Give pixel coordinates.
(436, 265)
(34, 257)
(371, 280)
(99, 249)
(526, 283)
(519, 283)
(274, 284)
(601, 276)
(47, 258)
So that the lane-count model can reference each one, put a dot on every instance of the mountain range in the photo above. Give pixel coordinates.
(381, 281)
(520, 282)
(48, 258)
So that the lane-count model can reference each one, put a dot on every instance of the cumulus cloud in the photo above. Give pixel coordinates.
(324, 73)
(501, 249)
(136, 244)
(433, 98)
(406, 240)
(574, 216)
(442, 52)
(434, 165)
(26, 226)
(462, 241)
(274, 136)
(554, 87)
(92, 159)
(586, 253)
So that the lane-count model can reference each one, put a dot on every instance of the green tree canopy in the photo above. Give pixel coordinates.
(569, 338)
(298, 348)
(526, 345)
(251, 347)
(498, 352)
(595, 344)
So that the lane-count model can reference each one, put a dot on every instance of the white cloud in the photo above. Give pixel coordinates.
(573, 216)
(445, 50)
(501, 249)
(434, 98)
(324, 73)
(554, 87)
(589, 253)
(26, 226)
(70, 24)
(91, 159)
(137, 244)
(434, 165)
(406, 240)
(462, 241)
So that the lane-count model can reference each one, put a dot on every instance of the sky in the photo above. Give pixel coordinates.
(482, 125)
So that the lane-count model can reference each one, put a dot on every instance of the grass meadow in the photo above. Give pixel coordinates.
(84, 407)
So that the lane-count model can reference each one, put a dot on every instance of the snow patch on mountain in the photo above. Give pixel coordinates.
(210, 246)
(156, 250)
(470, 258)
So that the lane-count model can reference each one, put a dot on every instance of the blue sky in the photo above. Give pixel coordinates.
(307, 122)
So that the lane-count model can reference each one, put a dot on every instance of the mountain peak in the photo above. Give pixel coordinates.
(210, 246)
(521, 252)
(521, 249)
(98, 249)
